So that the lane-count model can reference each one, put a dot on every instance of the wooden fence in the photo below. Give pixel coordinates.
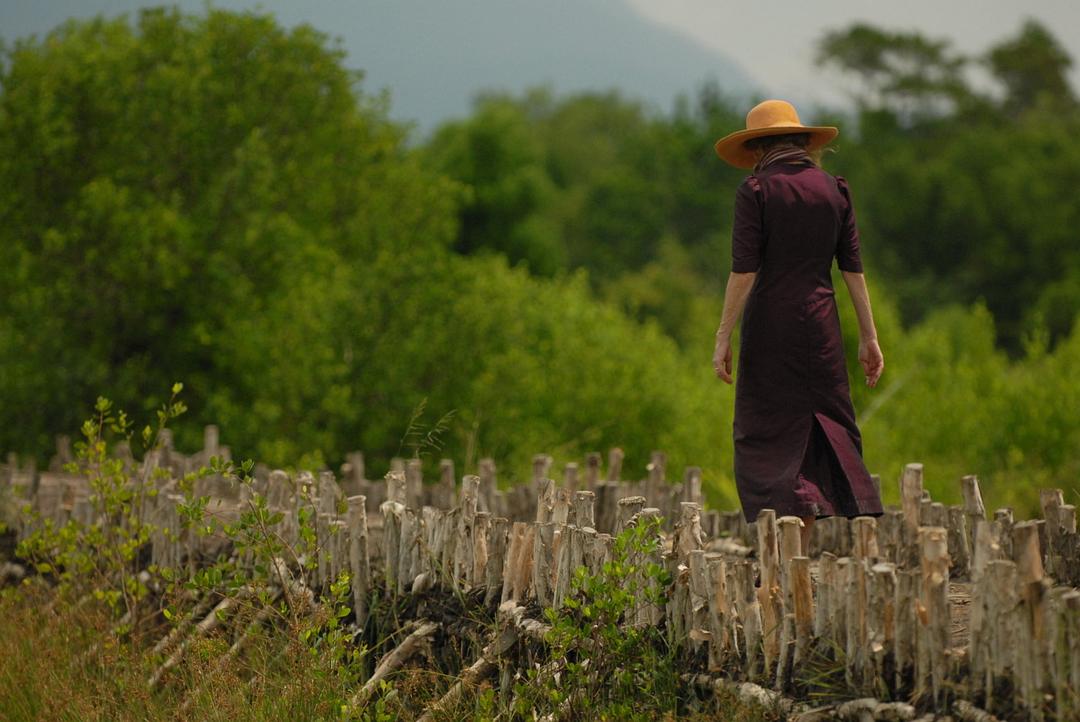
(931, 609)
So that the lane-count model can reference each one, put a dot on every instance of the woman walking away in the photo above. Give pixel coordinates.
(797, 448)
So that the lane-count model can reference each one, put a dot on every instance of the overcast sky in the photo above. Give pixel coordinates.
(774, 41)
(435, 54)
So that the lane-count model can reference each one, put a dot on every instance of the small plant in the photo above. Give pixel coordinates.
(264, 575)
(102, 558)
(603, 663)
(419, 441)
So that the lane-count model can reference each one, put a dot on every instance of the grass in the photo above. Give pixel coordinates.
(63, 662)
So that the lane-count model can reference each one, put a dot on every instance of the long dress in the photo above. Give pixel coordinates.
(797, 447)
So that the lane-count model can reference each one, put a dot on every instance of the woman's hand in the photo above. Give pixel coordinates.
(721, 359)
(872, 361)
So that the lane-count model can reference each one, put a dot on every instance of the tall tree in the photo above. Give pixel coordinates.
(1033, 68)
(914, 77)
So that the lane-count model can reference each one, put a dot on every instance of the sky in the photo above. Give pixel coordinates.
(784, 64)
(434, 55)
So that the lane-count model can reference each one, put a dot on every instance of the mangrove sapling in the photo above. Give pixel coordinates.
(612, 667)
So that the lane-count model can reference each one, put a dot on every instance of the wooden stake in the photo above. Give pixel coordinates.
(543, 563)
(768, 592)
(907, 601)
(497, 553)
(628, 507)
(583, 508)
(973, 505)
(592, 470)
(720, 613)
(911, 489)
(933, 614)
(615, 459)
(417, 640)
(959, 544)
(803, 598)
(882, 621)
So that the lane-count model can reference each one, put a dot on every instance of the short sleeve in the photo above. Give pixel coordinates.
(747, 234)
(847, 244)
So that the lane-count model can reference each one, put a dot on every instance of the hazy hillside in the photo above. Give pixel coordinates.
(434, 56)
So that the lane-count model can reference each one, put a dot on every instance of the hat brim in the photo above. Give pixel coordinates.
(732, 150)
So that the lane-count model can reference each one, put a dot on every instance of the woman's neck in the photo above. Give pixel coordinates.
(782, 154)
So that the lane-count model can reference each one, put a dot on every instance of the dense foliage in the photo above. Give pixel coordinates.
(216, 199)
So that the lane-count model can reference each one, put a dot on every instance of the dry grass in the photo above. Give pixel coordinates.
(58, 662)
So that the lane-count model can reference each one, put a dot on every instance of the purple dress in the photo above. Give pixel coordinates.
(797, 448)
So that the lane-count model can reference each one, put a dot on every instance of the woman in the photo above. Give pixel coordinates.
(797, 448)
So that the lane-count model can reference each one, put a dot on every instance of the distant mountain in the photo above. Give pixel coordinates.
(434, 56)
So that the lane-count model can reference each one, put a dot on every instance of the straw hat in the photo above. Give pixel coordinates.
(770, 117)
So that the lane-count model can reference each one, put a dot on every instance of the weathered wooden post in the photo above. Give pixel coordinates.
(824, 623)
(570, 476)
(933, 618)
(607, 500)
(790, 540)
(523, 569)
(911, 500)
(1051, 501)
(720, 612)
(322, 553)
(692, 485)
(414, 483)
(443, 493)
(543, 562)
(359, 560)
(768, 593)
(583, 508)
(560, 513)
(698, 611)
(789, 545)
(998, 657)
(864, 538)
(890, 529)
(628, 507)
(803, 605)
(545, 500)
(496, 559)
(592, 470)
(1067, 655)
(857, 653)
(564, 567)
(466, 545)
(393, 509)
(409, 549)
(489, 486)
(481, 535)
(615, 459)
(959, 544)
(881, 623)
(973, 505)
(907, 601)
(748, 608)
(656, 469)
(541, 463)
(513, 559)
(1033, 587)
(1004, 519)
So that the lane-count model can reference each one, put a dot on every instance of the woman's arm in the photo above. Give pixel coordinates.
(738, 288)
(870, 356)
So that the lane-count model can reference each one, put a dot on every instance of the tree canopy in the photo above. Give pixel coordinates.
(216, 199)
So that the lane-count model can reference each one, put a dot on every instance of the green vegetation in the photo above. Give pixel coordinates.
(217, 199)
(90, 625)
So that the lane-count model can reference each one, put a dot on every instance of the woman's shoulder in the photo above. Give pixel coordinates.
(835, 181)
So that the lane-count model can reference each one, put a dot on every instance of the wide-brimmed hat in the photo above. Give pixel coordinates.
(769, 117)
